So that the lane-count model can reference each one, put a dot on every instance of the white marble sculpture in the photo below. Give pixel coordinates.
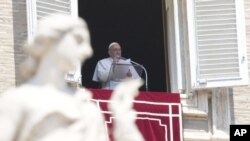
(45, 108)
(122, 103)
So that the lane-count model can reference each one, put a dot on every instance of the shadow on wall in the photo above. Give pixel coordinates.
(19, 34)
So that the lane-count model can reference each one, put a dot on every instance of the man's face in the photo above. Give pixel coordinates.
(115, 51)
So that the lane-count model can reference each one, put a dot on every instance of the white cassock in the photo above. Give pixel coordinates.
(102, 72)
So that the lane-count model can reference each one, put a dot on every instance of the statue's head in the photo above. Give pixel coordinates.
(65, 37)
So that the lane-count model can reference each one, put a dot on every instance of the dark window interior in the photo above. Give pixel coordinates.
(137, 25)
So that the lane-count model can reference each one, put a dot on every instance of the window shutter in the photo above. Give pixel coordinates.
(37, 9)
(247, 14)
(217, 43)
(46, 7)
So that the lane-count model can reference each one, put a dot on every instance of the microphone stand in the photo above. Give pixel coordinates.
(146, 74)
(144, 69)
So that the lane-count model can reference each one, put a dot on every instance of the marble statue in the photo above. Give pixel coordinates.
(45, 108)
(124, 125)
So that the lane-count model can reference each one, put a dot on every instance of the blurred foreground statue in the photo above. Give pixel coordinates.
(125, 128)
(45, 108)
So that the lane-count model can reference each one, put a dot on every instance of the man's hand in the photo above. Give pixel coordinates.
(129, 74)
(115, 60)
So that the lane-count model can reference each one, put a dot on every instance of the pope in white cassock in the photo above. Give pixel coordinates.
(109, 71)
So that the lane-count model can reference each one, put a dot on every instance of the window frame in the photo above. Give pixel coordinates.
(183, 70)
(73, 76)
(241, 41)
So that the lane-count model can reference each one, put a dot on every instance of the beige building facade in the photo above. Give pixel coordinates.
(13, 24)
(207, 111)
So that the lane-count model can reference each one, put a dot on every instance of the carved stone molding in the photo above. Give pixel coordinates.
(206, 115)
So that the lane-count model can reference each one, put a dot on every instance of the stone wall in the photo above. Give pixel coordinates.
(13, 33)
(7, 61)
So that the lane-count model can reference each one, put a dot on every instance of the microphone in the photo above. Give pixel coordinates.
(122, 58)
(143, 68)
